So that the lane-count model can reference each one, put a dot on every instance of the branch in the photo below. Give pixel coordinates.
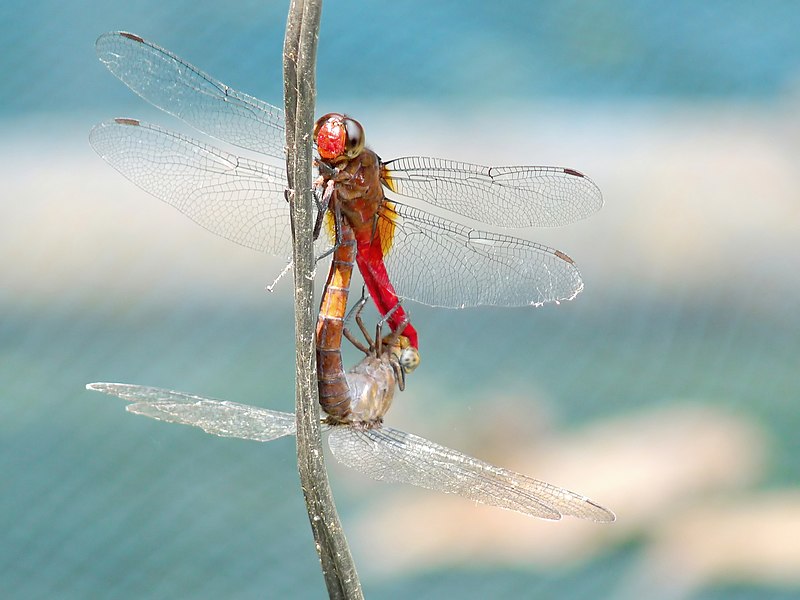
(300, 47)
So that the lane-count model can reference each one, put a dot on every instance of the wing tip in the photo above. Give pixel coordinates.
(602, 514)
(112, 389)
(599, 202)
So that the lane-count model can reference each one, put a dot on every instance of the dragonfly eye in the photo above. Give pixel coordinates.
(330, 136)
(355, 141)
(323, 120)
(409, 359)
(338, 137)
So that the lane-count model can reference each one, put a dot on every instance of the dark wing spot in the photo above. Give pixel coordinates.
(131, 36)
(564, 257)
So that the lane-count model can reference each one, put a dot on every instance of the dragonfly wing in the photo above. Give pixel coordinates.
(523, 196)
(222, 418)
(391, 455)
(441, 263)
(178, 88)
(237, 198)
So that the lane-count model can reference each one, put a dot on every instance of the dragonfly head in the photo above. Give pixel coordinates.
(338, 137)
(407, 356)
(409, 359)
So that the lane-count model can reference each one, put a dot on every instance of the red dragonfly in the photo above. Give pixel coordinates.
(425, 257)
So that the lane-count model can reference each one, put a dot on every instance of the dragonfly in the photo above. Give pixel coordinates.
(406, 249)
(364, 444)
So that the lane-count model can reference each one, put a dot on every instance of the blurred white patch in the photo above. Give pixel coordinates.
(646, 467)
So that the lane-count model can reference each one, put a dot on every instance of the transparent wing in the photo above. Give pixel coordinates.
(237, 198)
(441, 263)
(432, 260)
(506, 196)
(391, 455)
(178, 88)
(225, 419)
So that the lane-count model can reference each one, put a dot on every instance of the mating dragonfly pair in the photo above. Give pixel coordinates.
(402, 251)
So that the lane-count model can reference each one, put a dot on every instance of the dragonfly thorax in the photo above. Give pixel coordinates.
(372, 383)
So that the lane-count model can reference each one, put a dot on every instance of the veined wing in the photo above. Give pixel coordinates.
(391, 455)
(383, 454)
(217, 417)
(438, 262)
(237, 198)
(506, 196)
(178, 88)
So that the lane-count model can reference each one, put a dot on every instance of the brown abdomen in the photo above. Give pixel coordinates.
(334, 392)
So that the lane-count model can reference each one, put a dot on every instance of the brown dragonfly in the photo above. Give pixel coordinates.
(358, 439)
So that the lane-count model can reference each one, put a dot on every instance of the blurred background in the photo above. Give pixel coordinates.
(667, 391)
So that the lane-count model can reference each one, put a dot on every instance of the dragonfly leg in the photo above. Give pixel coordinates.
(400, 375)
(358, 309)
(328, 177)
(323, 203)
(327, 252)
(354, 340)
(359, 306)
(391, 340)
(405, 357)
(325, 170)
(394, 335)
(370, 349)
(333, 248)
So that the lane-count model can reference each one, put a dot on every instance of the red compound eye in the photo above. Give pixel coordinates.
(338, 137)
(331, 136)
(331, 141)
